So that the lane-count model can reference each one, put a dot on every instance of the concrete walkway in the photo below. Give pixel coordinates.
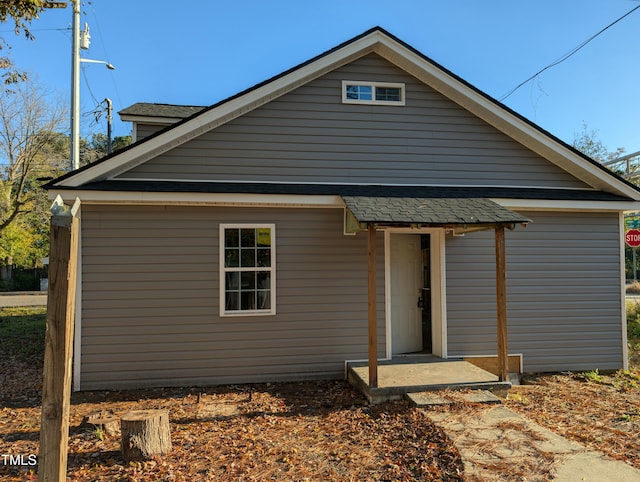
(499, 444)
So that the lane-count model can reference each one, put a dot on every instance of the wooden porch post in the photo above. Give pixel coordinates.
(501, 300)
(372, 305)
(58, 350)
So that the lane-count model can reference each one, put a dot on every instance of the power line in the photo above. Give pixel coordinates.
(86, 80)
(569, 53)
(41, 30)
(104, 47)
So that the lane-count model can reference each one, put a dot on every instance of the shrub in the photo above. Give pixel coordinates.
(633, 288)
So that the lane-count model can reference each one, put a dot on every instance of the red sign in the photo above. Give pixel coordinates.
(632, 238)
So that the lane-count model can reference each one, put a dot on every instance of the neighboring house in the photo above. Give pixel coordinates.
(229, 243)
(148, 118)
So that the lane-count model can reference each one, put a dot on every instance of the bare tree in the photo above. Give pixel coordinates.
(588, 143)
(29, 126)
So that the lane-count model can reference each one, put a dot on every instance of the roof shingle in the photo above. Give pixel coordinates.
(147, 109)
(430, 211)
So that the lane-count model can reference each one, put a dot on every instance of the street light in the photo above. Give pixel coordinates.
(75, 82)
(91, 61)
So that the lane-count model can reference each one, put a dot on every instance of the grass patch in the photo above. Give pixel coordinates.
(633, 333)
(592, 376)
(22, 332)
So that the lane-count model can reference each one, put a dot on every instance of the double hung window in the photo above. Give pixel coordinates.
(247, 270)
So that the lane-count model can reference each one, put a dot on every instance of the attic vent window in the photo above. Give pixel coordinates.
(382, 93)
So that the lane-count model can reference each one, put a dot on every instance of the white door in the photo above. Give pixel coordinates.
(406, 284)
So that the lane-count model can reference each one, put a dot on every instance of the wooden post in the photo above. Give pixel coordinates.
(58, 350)
(501, 302)
(372, 308)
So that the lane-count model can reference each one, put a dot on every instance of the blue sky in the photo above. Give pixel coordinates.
(165, 52)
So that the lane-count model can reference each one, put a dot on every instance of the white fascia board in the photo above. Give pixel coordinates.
(555, 205)
(502, 119)
(198, 199)
(222, 114)
(153, 120)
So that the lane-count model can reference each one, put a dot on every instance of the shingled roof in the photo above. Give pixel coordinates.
(431, 211)
(149, 109)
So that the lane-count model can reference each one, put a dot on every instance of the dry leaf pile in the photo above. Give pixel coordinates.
(293, 431)
(301, 431)
(599, 411)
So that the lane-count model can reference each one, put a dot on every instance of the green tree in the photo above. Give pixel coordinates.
(25, 241)
(96, 147)
(21, 245)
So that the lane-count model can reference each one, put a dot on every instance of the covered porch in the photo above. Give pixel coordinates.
(384, 376)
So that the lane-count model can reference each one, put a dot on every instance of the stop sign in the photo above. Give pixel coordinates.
(632, 238)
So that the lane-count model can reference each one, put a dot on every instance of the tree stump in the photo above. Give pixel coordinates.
(145, 433)
(104, 420)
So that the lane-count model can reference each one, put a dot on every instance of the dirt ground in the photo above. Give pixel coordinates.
(293, 431)
(298, 431)
(305, 431)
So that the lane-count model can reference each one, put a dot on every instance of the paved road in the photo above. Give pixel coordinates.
(26, 298)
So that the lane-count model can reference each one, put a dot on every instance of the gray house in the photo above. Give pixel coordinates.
(231, 243)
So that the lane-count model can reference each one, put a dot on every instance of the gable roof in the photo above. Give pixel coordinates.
(384, 44)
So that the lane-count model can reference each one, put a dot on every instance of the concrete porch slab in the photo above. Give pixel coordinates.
(398, 377)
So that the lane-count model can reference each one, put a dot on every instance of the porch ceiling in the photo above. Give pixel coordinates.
(451, 212)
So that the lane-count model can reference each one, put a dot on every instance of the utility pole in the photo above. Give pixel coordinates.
(109, 120)
(80, 41)
(75, 87)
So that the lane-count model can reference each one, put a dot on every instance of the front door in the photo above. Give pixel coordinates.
(406, 292)
(426, 298)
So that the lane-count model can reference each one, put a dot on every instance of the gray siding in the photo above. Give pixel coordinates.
(150, 298)
(145, 130)
(308, 135)
(564, 295)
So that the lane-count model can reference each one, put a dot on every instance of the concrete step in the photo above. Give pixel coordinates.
(431, 398)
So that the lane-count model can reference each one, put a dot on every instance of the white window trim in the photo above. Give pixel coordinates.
(271, 269)
(373, 86)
